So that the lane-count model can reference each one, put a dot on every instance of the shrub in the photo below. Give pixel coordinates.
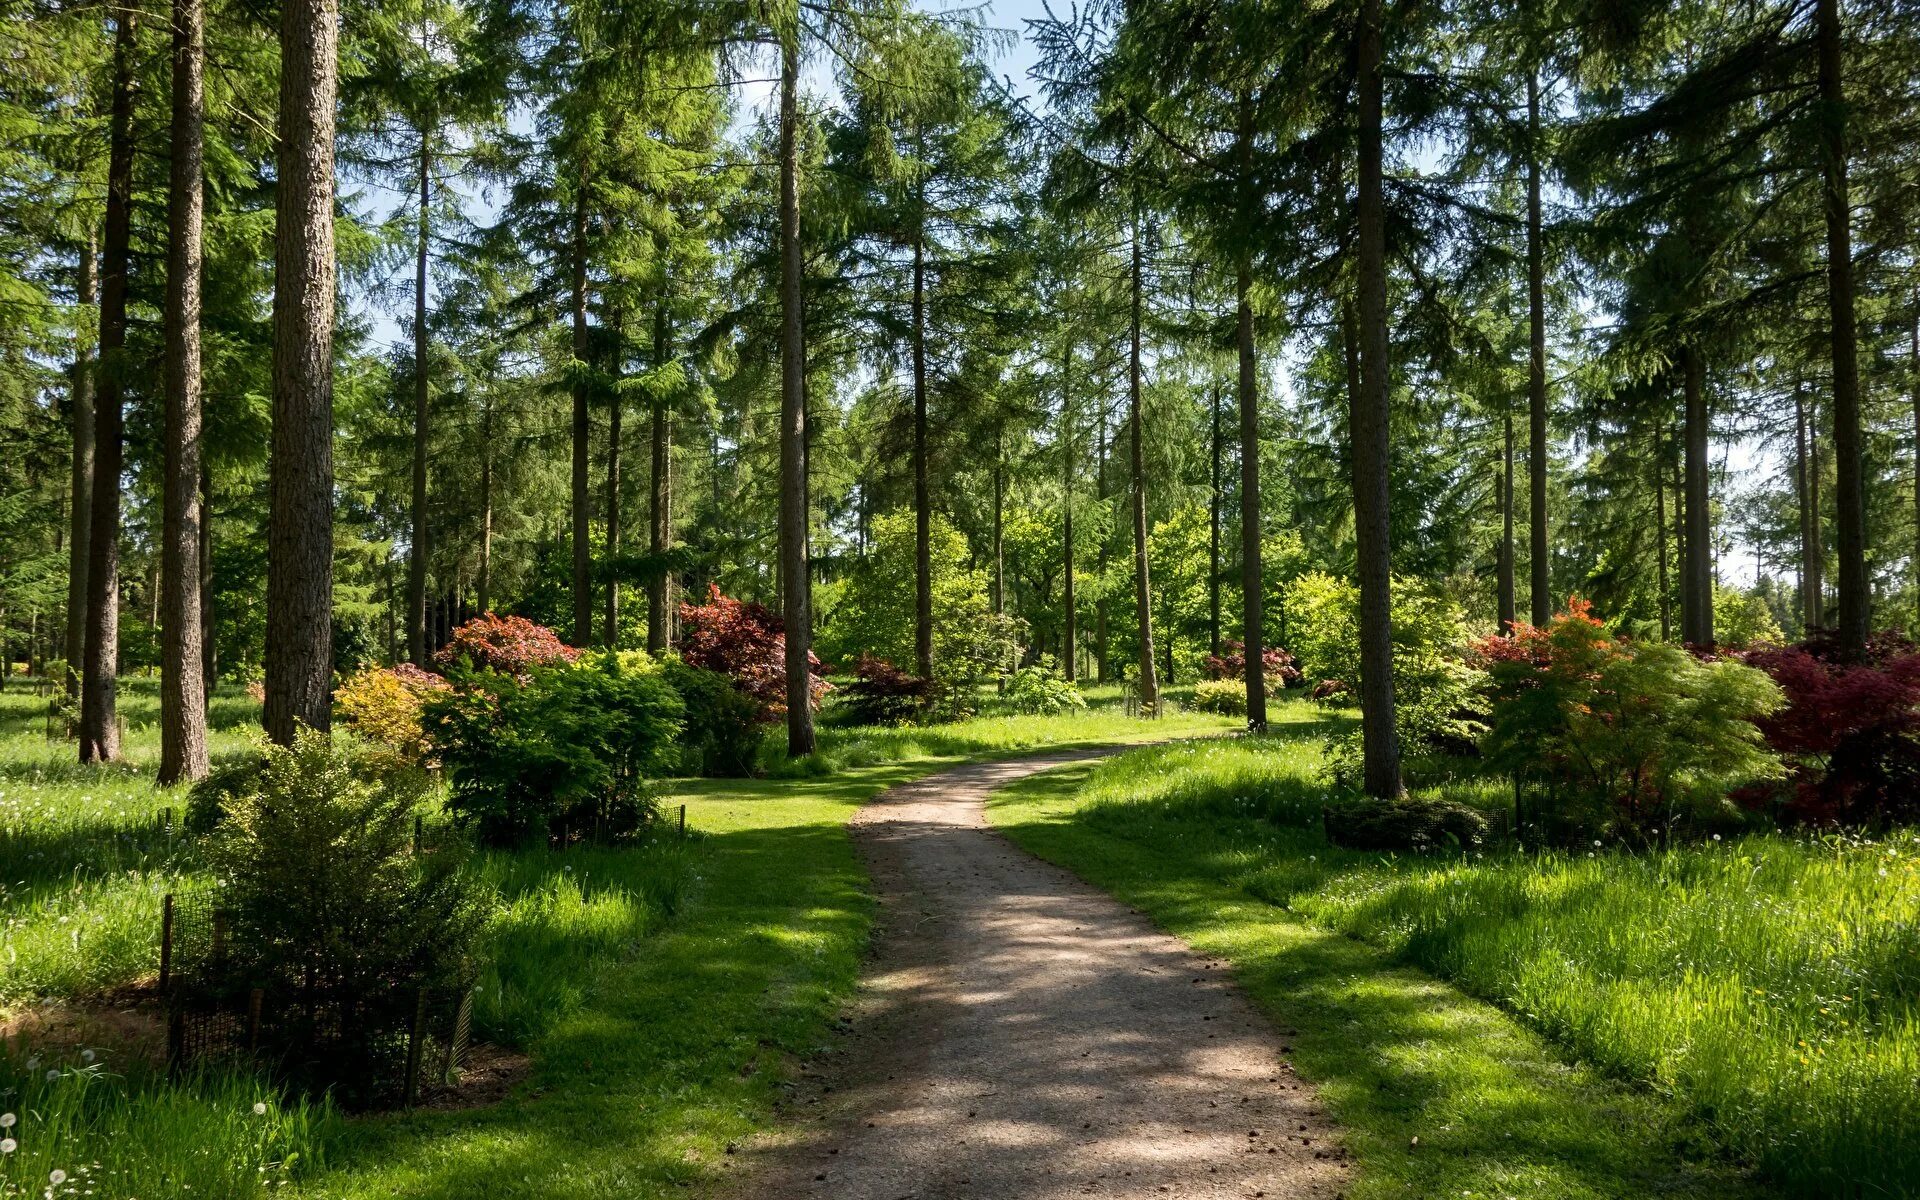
(1743, 619)
(1850, 731)
(1406, 823)
(1223, 696)
(510, 645)
(747, 644)
(325, 898)
(566, 753)
(1278, 668)
(883, 694)
(383, 705)
(209, 799)
(1631, 738)
(1040, 690)
(724, 725)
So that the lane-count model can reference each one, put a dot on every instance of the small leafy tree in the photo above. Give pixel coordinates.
(883, 694)
(510, 645)
(1850, 732)
(384, 705)
(746, 643)
(1040, 690)
(1280, 668)
(1631, 739)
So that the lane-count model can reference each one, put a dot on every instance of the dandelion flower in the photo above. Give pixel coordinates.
(7, 1120)
(259, 1108)
(53, 1075)
(87, 1055)
(8, 1145)
(56, 1176)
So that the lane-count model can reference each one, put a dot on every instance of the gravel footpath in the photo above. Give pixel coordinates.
(1023, 1036)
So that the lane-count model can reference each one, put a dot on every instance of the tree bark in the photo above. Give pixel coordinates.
(1914, 383)
(1213, 529)
(1508, 602)
(1850, 497)
(421, 550)
(1068, 639)
(582, 430)
(99, 725)
(80, 502)
(1802, 480)
(1136, 457)
(1696, 568)
(610, 617)
(1660, 532)
(1100, 608)
(999, 525)
(1816, 523)
(183, 694)
(1368, 429)
(922, 500)
(485, 580)
(660, 493)
(1252, 574)
(209, 648)
(299, 661)
(1542, 585)
(797, 602)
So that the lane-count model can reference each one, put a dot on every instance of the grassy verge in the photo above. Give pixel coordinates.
(1441, 1094)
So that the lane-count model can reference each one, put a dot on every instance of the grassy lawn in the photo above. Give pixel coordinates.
(661, 991)
(1760, 995)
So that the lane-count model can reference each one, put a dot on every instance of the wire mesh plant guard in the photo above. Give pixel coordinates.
(369, 1048)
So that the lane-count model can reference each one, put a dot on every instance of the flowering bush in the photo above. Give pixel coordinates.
(383, 705)
(1851, 732)
(1278, 668)
(883, 694)
(510, 645)
(746, 643)
(1631, 738)
(1040, 690)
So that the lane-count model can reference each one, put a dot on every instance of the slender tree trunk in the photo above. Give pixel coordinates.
(1100, 608)
(1696, 573)
(80, 502)
(1816, 521)
(1542, 585)
(1850, 497)
(922, 502)
(1509, 610)
(299, 664)
(1136, 460)
(660, 494)
(485, 581)
(1660, 532)
(610, 618)
(1914, 383)
(1802, 478)
(999, 525)
(1068, 638)
(209, 648)
(797, 603)
(1252, 574)
(419, 553)
(183, 693)
(1368, 429)
(582, 431)
(1213, 533)
(99, 725)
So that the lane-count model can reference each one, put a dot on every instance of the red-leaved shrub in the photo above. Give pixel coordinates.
(1850, 730)
(746, 643)
(883, 694)
(1280, 668)
(510, 645)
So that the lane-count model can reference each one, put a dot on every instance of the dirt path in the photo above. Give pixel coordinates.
(1022, 1036)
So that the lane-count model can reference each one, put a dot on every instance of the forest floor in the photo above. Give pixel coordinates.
(1022, 1035)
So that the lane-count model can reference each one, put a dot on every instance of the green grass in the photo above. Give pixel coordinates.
(1758, 996)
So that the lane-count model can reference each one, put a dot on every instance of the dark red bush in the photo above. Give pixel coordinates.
(883, 694)
(509, 645)
(746, 643)
(1280, 669)
(1850, 731)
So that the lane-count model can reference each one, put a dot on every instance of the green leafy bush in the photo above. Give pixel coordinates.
(567, 752)
(1040, 690)
(208, 800)
(1630, 739)
(1406, 823)
(1227, 697)
(724, 725)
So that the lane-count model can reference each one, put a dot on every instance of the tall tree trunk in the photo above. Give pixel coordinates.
(1816, 521)
(999, 524)
(582, 430)
(1542, 584)
(797, 603)
(659, 493)
(610, 618)
(183, 693)
(1252, 575)
(299, 664)
(1213, 531)
(922, 500)
(80, 502)
(1914, 383)
(1100, 608)
(99, 724)
(209, 648)
(485, 581)
(1136, 459)
(419, 553)
(1509, 610)
(1368, 429)
(1660, 532)
(1850, 497)
(1802, 494)
(1696, 569)
(1068, 638)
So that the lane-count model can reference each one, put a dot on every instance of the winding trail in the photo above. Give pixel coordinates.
(1023, 1036)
